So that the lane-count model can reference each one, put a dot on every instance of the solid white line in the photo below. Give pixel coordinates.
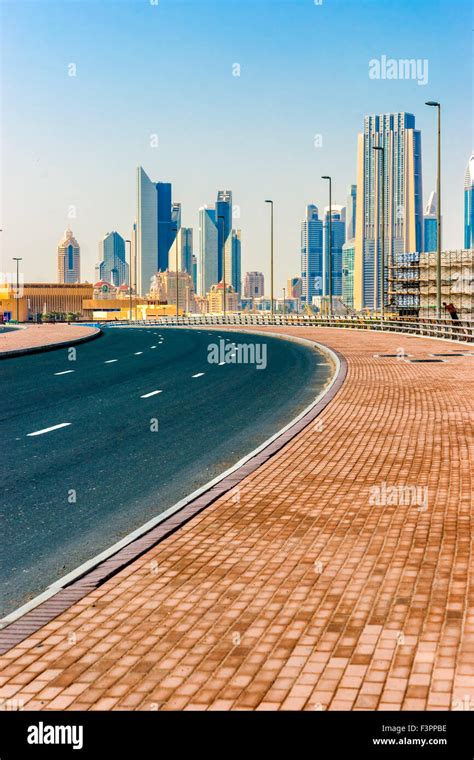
(152, 393)
(48, 430)
(111, 361)
(137, 353)
(220, 364)
(199, 374)
(66, 372)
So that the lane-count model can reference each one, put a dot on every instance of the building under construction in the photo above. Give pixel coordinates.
(412, 283)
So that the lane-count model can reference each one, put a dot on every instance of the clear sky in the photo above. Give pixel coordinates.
(167, 69)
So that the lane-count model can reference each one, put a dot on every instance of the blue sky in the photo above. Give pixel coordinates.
(167, 70)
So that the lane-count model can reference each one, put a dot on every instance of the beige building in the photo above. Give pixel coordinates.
(164, 285)
(69, 259)
(45, 297)
(215, 299)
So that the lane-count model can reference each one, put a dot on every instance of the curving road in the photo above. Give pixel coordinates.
(83, 463)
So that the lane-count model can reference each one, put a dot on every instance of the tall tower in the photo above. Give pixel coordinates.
(113, 267)
(69, 259)
(154, 234)
(207, 264)
(236, 278)
(403, 212)
(311, 254)
(338, 238)
(430, 224)
(224, 227)
(351, 212)
(469, 204)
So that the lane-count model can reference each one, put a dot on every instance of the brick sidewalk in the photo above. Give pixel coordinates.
(294, 591)
(37, 336)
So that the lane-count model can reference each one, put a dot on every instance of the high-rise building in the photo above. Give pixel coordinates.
(154, 229)
(113, 266)
(254, 285)
(69, 259)
(469, 204)
(185, 251)
(338, 238)
(207, 265)
(224, 227)
(348, 254)
(351, 212)
(430, 224)
(236, 261)
(163, 289)
(311, 254)
(403, 210)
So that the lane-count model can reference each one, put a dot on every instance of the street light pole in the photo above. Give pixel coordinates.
(382, 278)
(130, 275)
(437, 105)
(330, 245)
(17, 259)
(223, 262)
(175, 230)
(271, 258)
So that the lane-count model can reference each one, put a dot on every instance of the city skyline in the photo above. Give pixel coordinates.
(275, 143)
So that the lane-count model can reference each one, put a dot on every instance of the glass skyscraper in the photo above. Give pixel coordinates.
(351, 212)
(224, 227)
(338, 238)
(153, 229)
(113, 266)
(469, 204)
(207, 264)
(403, 210)
(311, 254)
(348, 254)
(69, 259)
(236, 261)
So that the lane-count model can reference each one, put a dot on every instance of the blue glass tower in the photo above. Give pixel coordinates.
(165, 233)
(338, 238)
(224, 227)
(311, 255)
(113, 267)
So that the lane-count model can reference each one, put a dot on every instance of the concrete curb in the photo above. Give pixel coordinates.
(63, 594)
(50, 346)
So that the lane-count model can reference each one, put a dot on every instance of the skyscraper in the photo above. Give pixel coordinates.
(348, 253)
(154, 229)
(338, 238)
(69, 259)
(469, 204)
(430, 224)
(224, 226)
(254, 285)
(236, 261)
(403, 211)
(113, 266)
(207, 265)
(351, 212)
(311, 254)
(185, 250)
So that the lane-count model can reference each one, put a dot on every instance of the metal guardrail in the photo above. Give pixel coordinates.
(445, 328)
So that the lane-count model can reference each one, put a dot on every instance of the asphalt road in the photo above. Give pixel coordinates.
(96, 467)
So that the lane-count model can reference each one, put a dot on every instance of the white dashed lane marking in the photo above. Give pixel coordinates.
(48, 430)
(111, 361)
(152, 393)
(137, 353)
(199, 374)
(66, 372)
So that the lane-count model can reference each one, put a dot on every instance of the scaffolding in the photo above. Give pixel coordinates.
(412, 283)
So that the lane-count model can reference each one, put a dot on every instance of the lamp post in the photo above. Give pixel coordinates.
(130, 275)
(220, 216)
(381, 149)
(271, 258)
(330, 245)
(175, 230)
(437, 105)
(17, 259)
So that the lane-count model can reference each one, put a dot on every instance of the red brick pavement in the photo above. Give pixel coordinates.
(294, 591)
(36, 336)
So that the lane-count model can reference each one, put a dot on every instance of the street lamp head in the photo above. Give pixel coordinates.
(377, 147)
(325, 176)
(432, 103)
(267, 201)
